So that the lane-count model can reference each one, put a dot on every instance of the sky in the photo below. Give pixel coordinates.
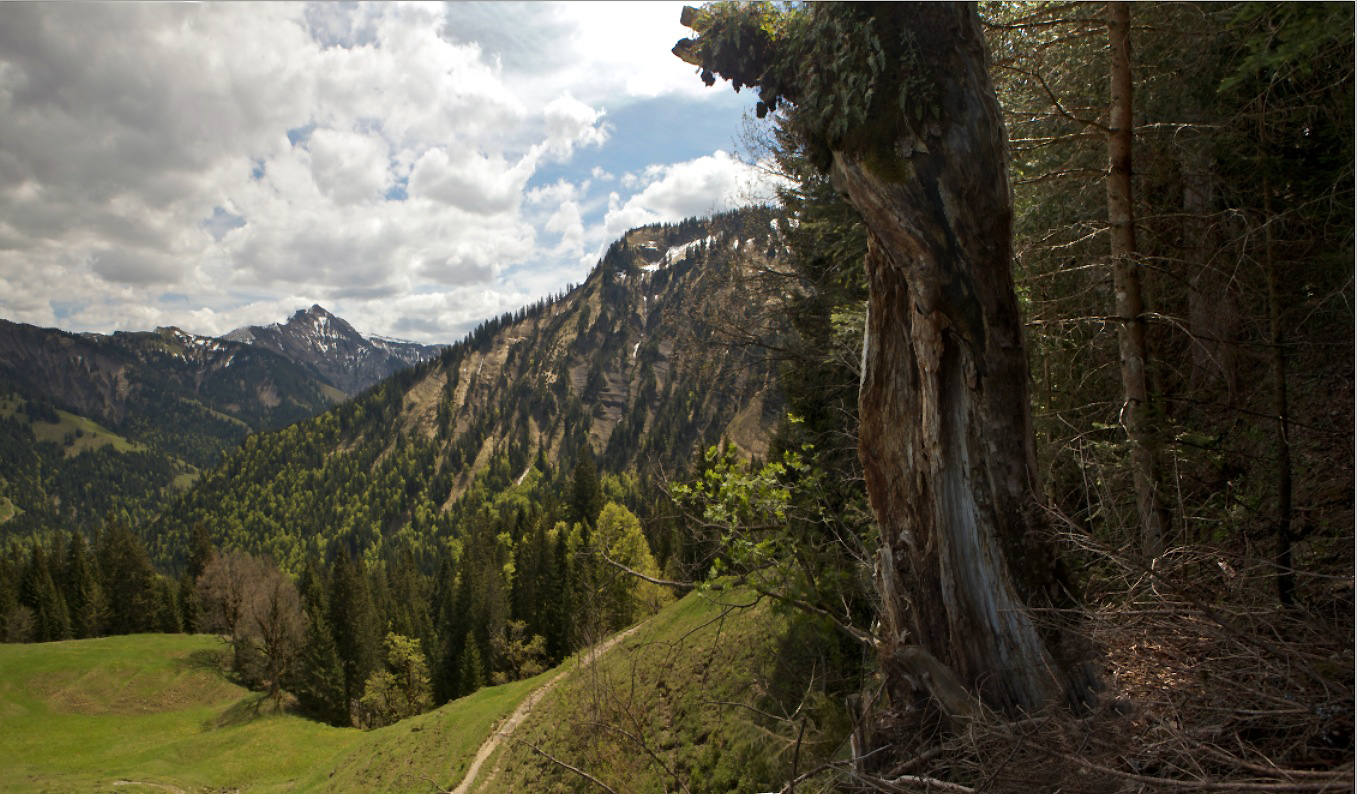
(414, 168)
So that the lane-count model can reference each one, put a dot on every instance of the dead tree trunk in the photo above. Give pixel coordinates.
(946, 437)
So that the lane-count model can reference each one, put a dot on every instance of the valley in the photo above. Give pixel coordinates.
(159, 713)
(926, 444)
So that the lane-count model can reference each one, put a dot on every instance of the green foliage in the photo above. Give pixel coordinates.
(354, 623)
(586, 495)
(400, 690)
(129, 582)
(522, 657)
(853, 71)
(621, 598)
(317, 680)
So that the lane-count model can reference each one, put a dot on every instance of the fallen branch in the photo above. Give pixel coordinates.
(553, 759)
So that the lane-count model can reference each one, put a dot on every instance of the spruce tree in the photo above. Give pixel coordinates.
(200, 550)
(84, 598)
(318, 679)
(190, 608)
(168, 618)
(354, 624)
(128, 580)
(39, 592)
(451, 629)
(471, 666)
(586, 500)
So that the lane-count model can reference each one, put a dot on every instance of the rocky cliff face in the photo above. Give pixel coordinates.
(658, 354)
(332, 350)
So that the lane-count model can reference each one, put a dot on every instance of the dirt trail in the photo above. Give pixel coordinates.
(506, 728)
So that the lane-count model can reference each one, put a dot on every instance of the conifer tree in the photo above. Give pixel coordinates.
(318, 677)
(128, 580)
(190, 608)
(560, 629)
(9, 594)
(354, 624)
(586, 500)
(200, 550)
(168, 618)
(446, 677)
(471, 666)
(38, 592)
(84, 598)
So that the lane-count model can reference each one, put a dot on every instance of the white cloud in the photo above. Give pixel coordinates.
(376, 158)
(712, 183)
(470, 180)
(349, 167)
(572, 123)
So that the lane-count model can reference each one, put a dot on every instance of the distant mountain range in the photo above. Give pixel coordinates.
(95, 422)
(333, 351)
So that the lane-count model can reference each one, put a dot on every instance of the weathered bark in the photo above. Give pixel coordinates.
(1126, 286)
(946, 438)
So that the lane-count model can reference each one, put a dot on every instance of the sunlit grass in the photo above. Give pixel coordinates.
(156, 710)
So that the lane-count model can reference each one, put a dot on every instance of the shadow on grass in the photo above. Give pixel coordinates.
(217, 660)
(242, 712)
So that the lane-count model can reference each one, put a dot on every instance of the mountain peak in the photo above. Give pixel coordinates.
(331, 348)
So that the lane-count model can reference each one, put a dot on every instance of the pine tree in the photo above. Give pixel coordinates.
(318, 677)
(128, 580)
(9, 593)
(471, 666)
(354, 624)
(167, 615)
(84, 598)
(586, 495)
(559, 629)
(200, 550)
(448, 651)
(190, 608)
(38, 592)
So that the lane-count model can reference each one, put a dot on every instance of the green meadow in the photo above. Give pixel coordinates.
(155, 713)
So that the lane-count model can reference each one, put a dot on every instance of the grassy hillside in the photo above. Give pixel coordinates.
(77, 434)
(154, 710)
(154, 713)
(711, 695)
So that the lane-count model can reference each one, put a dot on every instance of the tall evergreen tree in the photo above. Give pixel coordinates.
(354, 623)
(39, 592)
(317, 678)
(168, 617)
(586, 496)
(200, 550)
(471, 666)
(128, 580)
(190, 608)
(84, 598)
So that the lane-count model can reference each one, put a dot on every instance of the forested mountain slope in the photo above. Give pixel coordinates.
(627, 364)
(95, 423)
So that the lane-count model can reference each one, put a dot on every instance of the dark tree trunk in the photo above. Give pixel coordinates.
(946, 437)
(1126, 285)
